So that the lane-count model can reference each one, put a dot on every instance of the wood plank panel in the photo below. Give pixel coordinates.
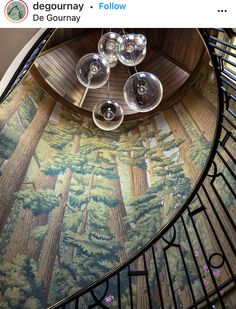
(184, 46)
(60, 63)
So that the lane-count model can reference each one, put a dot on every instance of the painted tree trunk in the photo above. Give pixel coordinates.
(2, 160)
(165, 286)
(15, 169)
(83, 225)
(202, 117)
(131, 178)
(140, 180)
(140, 187)
(117, 215)
(186, 297)
(202, 113)
(190, 169)
(21, 241)
(71, 247)
(160, 150)
(50, 247)
(71, 250)
(179, 132)
(84, 222)
(151, 171)
(140, 176)
(10, 108)
(131, 174)
(164, 282)
(156, 134)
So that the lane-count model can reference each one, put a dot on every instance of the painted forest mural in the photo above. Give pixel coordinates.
(77, 201)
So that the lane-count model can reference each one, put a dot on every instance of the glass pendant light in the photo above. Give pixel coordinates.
(143, 92)
(108, 115)
(93, 71)
(113, 63)
(132, 49)
(108, 46)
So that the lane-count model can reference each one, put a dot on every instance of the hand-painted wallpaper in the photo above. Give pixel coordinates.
(77, 201)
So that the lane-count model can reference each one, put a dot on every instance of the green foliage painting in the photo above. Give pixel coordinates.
(81, 200)
(19, 287)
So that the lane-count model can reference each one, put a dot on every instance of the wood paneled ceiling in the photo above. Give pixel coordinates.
(172, 54)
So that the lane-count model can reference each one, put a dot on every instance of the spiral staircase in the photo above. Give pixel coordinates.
(150, 277)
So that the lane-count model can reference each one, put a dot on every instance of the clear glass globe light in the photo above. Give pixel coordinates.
(132, 49)
(108, 115)
(143, 92)
(113, 63)
(108, 46)
(93, 70)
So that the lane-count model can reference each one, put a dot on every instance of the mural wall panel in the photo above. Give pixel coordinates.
(77, 201)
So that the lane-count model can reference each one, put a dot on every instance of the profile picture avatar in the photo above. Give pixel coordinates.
(16, 11)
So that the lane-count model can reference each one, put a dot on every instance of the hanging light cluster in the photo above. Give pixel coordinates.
(142, 91)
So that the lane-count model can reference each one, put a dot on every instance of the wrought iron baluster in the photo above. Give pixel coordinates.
(228, 185)
(223, 206)
(77, 303)
(158, 278)
(229, 121)
(229, 153)
(227, 165)
(187, 275)
(227, 82)
(147, 281)
(225, 51)
(130, 290)
(196, 265)
(219, 220)
(206, 259)
(218, 243)
(118, 290)
(170, 280)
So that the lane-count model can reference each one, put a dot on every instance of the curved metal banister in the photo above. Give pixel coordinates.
(204, 201)
(26, 64)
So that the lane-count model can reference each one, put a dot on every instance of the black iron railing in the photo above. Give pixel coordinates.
(191, 262)
(27, 62)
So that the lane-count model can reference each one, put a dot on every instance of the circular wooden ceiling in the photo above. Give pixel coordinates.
(173, 55)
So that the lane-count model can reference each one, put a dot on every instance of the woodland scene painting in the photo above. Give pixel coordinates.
(75, 201)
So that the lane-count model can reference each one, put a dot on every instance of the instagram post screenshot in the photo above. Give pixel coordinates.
(117, 154)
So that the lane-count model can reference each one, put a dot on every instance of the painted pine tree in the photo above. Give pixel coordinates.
(194, 153)
(63, 163)
(168, 189)
(100, 168)
(18, 121)
(11, 104)
(25, 240)
(19, 287)
(14, 171)
(87, 217)
(94, 253)
(132, 152)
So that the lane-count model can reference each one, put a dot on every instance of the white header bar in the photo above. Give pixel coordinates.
(117, 13)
